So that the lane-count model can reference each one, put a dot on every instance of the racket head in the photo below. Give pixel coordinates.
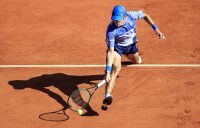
(79, 99)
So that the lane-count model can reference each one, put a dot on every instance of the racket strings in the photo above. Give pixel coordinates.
(79, 99)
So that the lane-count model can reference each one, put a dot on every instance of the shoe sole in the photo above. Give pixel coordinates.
(104, 107)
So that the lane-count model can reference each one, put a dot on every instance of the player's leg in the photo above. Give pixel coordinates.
(133, 54)
(115, 72)
(116, 67)
(135, 58)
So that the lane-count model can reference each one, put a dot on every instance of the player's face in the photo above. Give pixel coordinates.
(120, 23)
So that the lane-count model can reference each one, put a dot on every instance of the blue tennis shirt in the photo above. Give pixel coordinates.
(126, 34)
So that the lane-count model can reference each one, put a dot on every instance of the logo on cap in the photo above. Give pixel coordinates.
(118, 13)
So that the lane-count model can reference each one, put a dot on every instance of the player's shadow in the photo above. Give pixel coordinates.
(65, 83)
(124, 63)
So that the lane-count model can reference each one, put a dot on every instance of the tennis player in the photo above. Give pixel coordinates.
(121, 40)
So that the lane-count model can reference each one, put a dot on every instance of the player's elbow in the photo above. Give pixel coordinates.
(146, 15)
(110, 50)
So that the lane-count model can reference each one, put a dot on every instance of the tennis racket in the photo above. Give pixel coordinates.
(80, 98)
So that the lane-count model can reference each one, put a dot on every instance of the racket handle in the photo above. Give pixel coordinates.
(101, 83)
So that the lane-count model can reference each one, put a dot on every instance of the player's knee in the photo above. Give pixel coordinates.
(116, 68)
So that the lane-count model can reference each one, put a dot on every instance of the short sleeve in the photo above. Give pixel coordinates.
(136, 15)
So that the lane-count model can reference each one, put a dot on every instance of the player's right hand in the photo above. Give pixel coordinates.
(107, 77)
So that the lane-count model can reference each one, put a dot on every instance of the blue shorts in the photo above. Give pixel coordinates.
(126, 50)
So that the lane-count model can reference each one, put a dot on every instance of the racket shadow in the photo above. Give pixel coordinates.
(65, 83)
(55, 116)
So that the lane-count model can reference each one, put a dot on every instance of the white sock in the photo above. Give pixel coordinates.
(108, 94)
(140, 60)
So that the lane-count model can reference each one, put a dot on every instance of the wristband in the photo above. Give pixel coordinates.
(108, 68)
(155, 27)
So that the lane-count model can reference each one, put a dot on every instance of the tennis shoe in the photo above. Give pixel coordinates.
(106, 103)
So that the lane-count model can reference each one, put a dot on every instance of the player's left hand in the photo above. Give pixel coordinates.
(161, 36)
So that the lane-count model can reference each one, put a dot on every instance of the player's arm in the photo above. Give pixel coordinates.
(109, 62)
(149, 20)
(109, 55)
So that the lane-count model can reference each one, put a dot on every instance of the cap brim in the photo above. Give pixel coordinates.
(118, 18)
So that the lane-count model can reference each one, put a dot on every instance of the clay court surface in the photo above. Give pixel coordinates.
(70, 32)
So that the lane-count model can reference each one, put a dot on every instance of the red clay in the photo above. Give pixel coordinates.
(152, 98)
(73, 32)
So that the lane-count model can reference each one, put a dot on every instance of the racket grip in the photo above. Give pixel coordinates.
(101, 83)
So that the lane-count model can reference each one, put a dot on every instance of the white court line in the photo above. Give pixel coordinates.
(92, 65)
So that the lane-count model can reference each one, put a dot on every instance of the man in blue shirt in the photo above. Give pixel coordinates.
(121, 39)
